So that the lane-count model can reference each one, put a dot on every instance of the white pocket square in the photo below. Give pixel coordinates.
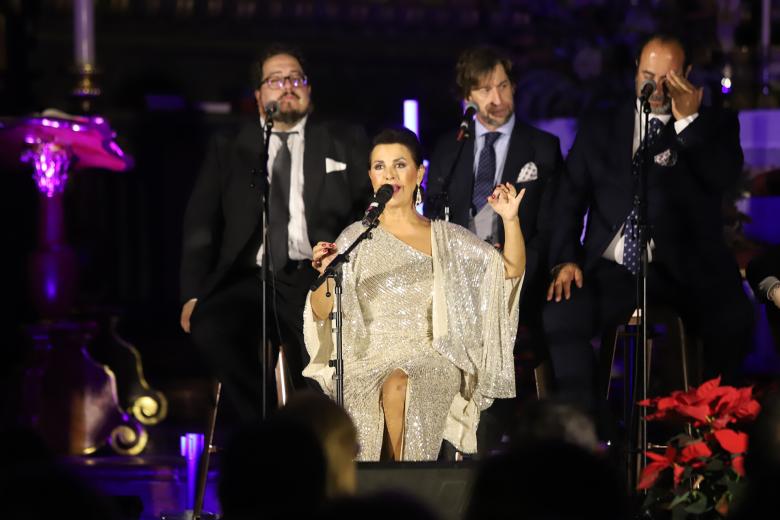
(334, 166)
(529, 172)
(666, 158)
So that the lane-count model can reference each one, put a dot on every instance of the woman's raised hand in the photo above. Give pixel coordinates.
(506, 201)
(323, 255)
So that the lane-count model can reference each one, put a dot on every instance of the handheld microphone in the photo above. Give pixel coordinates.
(377, 206)
(468, 115)
(271, 109)
(646, 90)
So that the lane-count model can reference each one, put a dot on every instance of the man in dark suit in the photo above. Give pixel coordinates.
(763, 272)
(318, 185)
(500, 148)
(695, 156)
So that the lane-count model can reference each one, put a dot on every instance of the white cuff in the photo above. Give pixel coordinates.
(683, 123)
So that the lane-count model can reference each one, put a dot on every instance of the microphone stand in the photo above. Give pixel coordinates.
(442, 200)
(334, 272)
(638, 424)
(264, 271)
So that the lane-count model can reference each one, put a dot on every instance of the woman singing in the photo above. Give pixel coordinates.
(430, 315)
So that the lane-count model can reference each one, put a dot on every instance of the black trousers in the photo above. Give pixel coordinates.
(530, 349)
(715, 309)
(226, 328)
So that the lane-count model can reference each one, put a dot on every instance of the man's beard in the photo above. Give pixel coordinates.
(664, 109)
(492, 121)
(290, 117)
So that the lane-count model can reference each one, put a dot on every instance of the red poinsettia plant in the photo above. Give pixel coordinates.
(700, 472)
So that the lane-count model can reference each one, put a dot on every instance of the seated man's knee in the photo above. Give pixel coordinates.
(566, 320)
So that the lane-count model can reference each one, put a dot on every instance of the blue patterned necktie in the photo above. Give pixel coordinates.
(631, 254)
(485, 182)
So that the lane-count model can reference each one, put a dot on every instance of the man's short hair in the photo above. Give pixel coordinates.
(271, 50)
(475, 63)
(666, 39)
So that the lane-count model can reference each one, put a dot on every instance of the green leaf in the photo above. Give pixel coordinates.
(681, 438)
(649, 501)
(698, 506)
(679, 499)
(735, 487)
(714, 465)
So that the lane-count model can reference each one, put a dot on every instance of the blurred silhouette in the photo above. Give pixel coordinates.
(272, 470)
(336, 433)
(34, 486)
(381, 506)
(547, 480)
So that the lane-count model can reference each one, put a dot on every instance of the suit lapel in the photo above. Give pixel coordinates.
(249, 148)
(519, 152)
(461, 185)
(625, 140)
(314, 152)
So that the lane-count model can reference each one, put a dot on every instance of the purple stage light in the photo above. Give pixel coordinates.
(51, 288)
(192, 445)
(412, 115)
(725, 85)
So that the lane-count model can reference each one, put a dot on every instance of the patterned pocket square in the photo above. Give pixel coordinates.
(666, 158)
(529, 172)
(332, 165)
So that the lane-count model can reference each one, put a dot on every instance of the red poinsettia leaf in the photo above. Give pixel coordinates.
(731, 441)
(650, 474)
(646, 402)
(708, 387)
(695, 450)
(689, 397)
(748, 410)
(738, 463)
(700, 413)
(722, 422)
(727, 400)
(658, 416)
(678, 472)
(722, 506)
(738, 400)
(665, 403)
(656, 456)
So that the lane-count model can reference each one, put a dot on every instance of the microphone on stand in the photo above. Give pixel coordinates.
(271, 108)
(468, 115)
(377, 206)
(646, 90)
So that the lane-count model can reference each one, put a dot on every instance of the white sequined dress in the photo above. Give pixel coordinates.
(447, 320)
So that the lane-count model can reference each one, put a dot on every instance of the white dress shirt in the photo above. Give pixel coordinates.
(485, 223)
(298, 245)
(614, 250)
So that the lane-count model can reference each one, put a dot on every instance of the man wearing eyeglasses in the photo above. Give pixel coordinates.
(500, 148)
(318, 185)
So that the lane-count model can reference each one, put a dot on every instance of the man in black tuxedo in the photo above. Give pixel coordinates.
(763, 272)
(499, 148)
(696, 156)
(318, 185)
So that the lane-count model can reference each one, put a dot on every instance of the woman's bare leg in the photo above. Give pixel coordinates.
(394, 402)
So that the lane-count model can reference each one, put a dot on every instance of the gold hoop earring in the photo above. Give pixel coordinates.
(418, 199)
